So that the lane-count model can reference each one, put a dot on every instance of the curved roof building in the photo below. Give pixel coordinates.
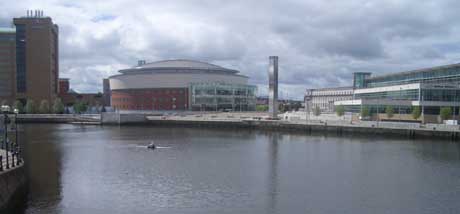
(171, 85)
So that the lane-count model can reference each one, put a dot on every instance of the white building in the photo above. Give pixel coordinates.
(324, 98)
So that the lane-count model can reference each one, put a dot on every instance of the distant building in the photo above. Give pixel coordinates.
(64, 86)
(181, 85)
(37, 57)
(106, 92)
(7, 64)
(70, 97)
(430, 89)
(324, 98)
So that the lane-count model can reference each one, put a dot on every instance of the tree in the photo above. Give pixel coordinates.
(340, 110)
(58, 106)
(80, 107)
(258, 108)
(445, 113)
(4, 103)
(317, 111)
(44, 107)
(19, 106)
(30, 107)
(389, 110)
(365, 111)
(416, 113)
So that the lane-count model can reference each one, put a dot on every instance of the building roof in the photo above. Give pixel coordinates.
(179, 64)
(332, 88)
(404, 73)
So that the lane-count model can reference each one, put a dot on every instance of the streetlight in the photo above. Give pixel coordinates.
(5, 110)
(16, 112)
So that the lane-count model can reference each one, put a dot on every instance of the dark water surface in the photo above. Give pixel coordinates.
(91, 169)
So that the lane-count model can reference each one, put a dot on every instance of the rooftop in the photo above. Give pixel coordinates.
(404, 73)
(179, 64)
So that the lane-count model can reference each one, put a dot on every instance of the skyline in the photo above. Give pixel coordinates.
(319, 44)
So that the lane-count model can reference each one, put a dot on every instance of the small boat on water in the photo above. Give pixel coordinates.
(151, 146)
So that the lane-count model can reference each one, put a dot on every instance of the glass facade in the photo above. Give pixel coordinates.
(222, 97)
(412, 94)
(21, 58)
(444, 74)
(431, 89)
(359, 79)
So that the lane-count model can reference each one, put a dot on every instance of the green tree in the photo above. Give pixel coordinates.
(58, 106)
(340, 110)
(19, 106)
(317, 111)
(44, 107)
(416, 112)
(389, 110)
(262, 108)
(445, 113)
(365, 111)
(80, 107)
(30, 107)
(4, 103)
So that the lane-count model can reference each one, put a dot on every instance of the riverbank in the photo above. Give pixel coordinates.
(254, 120)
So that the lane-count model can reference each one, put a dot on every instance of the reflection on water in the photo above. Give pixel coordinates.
(93, 169)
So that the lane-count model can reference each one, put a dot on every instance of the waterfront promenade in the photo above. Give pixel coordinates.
(254, 120)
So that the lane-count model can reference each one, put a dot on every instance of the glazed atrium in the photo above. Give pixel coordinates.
(430, 89)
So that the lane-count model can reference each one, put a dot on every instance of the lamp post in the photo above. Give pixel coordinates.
(16, 112)
(5, 110)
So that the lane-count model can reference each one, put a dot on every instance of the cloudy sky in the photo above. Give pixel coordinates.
(320, 43)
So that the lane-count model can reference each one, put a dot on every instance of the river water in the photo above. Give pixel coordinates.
(92, 169)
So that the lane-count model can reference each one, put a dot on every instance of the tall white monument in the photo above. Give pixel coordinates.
(273, 87)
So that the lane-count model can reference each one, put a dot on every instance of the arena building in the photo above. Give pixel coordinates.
(181, 85)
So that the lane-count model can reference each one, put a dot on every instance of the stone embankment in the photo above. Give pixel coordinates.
(60, 118)
(12, 181)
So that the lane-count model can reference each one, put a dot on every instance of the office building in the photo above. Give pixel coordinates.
(430, 89)
(37, 57)
(324, 98)
(7, 65)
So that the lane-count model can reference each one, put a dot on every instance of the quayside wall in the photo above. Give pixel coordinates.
(310, 128)
(12, 186)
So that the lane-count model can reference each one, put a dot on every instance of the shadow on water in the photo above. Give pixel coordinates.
(42, 167)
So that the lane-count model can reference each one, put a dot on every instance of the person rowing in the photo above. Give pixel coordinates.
(151, 146)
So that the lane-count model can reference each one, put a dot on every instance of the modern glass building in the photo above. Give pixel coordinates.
(430, 89)
(222, 97)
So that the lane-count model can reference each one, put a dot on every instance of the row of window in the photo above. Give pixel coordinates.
(166, 91)
(153, 99)
(440, 73)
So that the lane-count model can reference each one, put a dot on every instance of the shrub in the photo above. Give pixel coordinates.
(30, 107)
(19, 106)
(44, 107)
(365, 111)
(340, 110)
(58, 106)
(445, 113)
(389, 111)
(416, 112)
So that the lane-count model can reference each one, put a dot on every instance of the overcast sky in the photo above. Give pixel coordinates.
(320, 43)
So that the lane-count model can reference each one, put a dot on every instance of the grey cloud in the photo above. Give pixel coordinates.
(320, 43)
